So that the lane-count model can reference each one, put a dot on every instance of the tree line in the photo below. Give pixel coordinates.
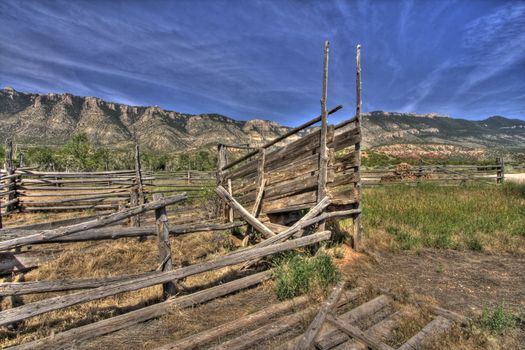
(79, 154)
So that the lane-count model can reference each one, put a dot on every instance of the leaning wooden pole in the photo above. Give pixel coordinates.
(358, 228)
(323, 149)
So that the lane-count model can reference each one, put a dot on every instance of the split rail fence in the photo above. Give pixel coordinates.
(284, 194)
(445, 174)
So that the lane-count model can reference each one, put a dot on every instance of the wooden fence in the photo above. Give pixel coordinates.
(443, 174)
(317, 175)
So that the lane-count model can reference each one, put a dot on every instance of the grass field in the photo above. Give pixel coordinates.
(476, 217)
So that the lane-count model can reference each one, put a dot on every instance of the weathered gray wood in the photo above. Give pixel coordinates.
(12, 262)
(230, 210)
(282, 137)
(315, 211)
(249, 218)
(282, 325)
(299, 225)
(356, 333)
(138, 175)
(60, 302)
(330, 337)
(260, 193)
(314, 328)
(164, 246)
(380, 331)
(358, 226)
(46, 235)
(31, 287)
(430, 332)
(323, 149)
(11, 202)
(76, 335)
(205, 337)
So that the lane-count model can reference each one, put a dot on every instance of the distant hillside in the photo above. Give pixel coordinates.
(53, 118)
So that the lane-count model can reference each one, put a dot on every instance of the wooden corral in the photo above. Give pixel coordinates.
(278, 192)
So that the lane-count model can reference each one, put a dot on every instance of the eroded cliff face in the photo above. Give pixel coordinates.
(52, 118)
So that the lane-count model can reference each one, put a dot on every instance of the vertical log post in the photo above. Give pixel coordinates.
(21, 163)
(358, 228)
(260, 187)
(136, 191)
(164, 245)
(138, 175)
(10, 170)
(500, 171)
(323, 150)
(221, 163)
(230, 191)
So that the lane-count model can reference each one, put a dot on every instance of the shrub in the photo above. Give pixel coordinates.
(296, 274)
(498, 320)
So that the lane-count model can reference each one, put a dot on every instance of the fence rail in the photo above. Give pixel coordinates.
(405, 173)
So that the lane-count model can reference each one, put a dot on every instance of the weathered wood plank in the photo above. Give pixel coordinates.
(356, 333)
(434, 329)
(314, 328)
(164, 246)
(205, 337)
(249, 218)
(76, 335)
(46, 235)
(29, 310)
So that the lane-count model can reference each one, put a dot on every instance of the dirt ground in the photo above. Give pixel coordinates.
(461, 281)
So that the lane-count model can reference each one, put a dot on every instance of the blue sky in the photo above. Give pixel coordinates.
(263, 59)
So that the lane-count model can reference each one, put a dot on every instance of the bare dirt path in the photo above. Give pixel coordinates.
(462, 281)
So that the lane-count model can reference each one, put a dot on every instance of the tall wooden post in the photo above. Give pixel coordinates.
(221, 163)
(21, 159)
(138, 175)
(358, 228)
(10, 170)
(323, 149)
(164, 245)
(500, 170)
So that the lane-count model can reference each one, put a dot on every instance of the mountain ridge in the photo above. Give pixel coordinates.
(52, 118)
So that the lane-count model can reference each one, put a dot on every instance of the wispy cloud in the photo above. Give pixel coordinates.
(263, 59)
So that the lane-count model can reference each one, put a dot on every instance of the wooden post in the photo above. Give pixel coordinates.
(323, 150)
(358, 228)
(10, 170)
(21, 160)
(163, 240)
(138, 175)
(221, 163)
(230, 211)
(500, 171)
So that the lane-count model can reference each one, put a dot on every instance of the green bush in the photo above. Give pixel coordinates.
(298, 274)
(498, 320)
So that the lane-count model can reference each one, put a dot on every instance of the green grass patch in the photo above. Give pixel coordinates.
(498, 320)
(298, 274)
(476, 217)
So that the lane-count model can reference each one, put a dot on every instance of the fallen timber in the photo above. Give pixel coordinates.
(253, 221)
(107, 233)
(46, 235)
(282, 325)
(33, 309)
(109, 325)
(313, 330)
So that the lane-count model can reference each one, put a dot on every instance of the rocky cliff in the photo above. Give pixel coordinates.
(52, 118)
